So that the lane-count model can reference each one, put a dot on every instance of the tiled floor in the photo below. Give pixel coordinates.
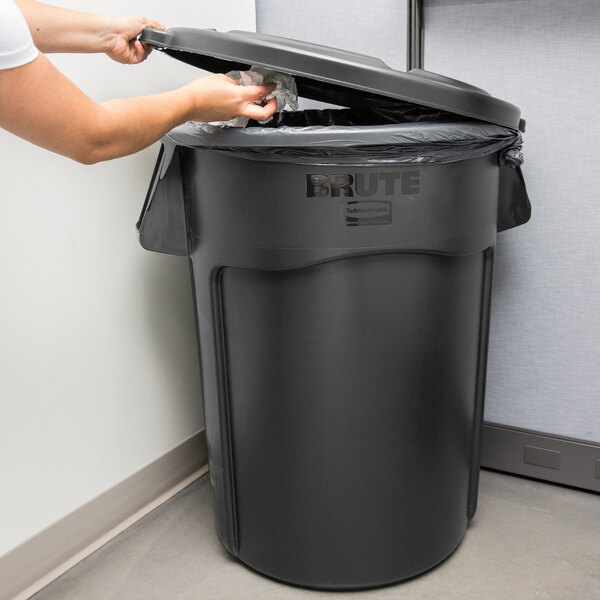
(529, 540)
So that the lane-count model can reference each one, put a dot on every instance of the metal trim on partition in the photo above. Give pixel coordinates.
(541, 456)
(414, 46)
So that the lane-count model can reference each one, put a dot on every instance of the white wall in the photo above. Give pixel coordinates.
(98, 362)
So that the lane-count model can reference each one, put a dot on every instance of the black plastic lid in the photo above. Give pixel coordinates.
(329, 74)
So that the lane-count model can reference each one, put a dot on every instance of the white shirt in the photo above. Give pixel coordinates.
(16, 45)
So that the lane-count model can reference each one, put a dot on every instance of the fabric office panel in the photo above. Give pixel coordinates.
(544, 361)
(376, 28)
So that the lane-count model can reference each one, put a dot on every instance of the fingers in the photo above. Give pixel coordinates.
(143, 49)
(254, 109)
(132, 26)
(147, 48)
(155, 24)
(260, 113)
(256, 92)
(138, 52)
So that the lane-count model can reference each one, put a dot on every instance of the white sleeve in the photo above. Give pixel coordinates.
(16, 45)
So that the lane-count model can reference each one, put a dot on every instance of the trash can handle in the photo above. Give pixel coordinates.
(514, 208)
(162, 226)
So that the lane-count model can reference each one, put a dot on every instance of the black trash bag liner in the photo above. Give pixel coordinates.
(404, 112)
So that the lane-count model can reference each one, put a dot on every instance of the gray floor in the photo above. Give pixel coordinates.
(529, 540)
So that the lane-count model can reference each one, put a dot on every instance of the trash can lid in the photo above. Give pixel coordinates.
(330, 74)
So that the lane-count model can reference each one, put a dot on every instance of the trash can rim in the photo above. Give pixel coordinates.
(202, 135)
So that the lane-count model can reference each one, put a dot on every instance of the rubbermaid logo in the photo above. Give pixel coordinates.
(367, 213)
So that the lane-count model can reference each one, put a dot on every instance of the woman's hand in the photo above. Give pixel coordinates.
(220, 98)
(122, 44)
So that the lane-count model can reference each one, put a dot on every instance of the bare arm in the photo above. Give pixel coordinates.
(39, 104)
(57, 29)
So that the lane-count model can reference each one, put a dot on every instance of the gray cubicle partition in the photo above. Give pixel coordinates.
(377, 28)
(543, 414)
(542, 403)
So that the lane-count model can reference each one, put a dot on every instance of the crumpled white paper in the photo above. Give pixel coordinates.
(285, 93)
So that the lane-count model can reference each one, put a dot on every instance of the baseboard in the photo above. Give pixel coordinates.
(41, 559)
(542, 456)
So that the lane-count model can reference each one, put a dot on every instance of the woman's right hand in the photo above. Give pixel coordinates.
(220, 98)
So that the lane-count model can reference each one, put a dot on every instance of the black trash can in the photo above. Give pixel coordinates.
(342, 269)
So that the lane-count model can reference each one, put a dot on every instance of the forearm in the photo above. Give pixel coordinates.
(57, 29)
(47, 109)
(125, 126)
